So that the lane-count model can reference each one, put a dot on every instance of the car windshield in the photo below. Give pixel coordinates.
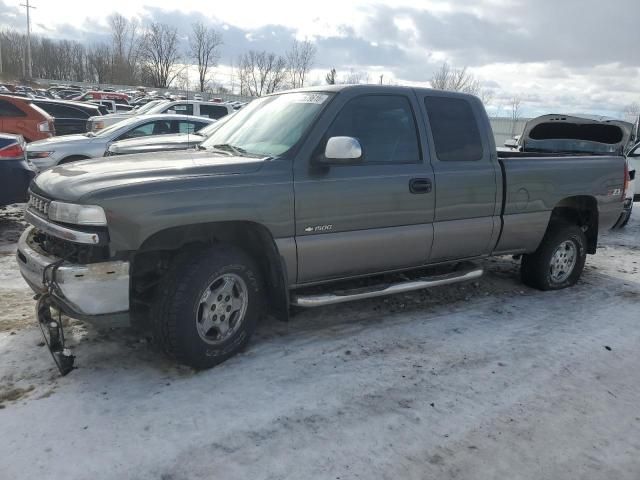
(209, 129)
(270, 125)
(147, 106)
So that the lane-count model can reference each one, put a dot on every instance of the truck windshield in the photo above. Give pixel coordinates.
(268, 126)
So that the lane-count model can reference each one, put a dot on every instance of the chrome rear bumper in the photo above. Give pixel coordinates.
(86, 290)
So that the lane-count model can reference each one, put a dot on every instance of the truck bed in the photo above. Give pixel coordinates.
(533, 184)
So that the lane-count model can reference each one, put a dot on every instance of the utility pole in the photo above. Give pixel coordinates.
(28, 8)
(381, 77)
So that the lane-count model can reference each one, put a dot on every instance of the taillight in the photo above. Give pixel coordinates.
(44, 127)
(627, 180)
(12, 151)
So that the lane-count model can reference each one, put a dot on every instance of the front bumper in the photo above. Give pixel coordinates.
(81, 291)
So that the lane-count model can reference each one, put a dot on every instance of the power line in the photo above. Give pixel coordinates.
(28, 9)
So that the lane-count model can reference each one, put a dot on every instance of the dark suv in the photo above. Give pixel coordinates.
(69, 117)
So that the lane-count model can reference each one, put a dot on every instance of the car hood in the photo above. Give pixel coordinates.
(70, 182)
(576, 133)
(49, 143)
(157, 140)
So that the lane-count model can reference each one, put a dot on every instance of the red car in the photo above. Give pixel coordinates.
(21, 117)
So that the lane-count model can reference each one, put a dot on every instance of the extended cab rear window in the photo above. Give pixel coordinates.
(456, 135)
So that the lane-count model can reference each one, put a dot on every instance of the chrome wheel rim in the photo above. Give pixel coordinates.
(222, 308)
(562, 261)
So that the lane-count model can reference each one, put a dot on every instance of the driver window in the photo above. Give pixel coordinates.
(383, 124)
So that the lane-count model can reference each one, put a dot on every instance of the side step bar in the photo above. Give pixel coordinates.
(320, 300)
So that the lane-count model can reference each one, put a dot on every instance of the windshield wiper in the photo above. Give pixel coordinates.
(230, 148)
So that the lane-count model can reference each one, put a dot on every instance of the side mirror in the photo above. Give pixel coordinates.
(342, 151)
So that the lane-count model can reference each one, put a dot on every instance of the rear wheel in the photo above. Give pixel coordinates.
(208, 305)
(559, 260)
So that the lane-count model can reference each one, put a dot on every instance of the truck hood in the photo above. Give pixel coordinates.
(70, 182)
(558, 133)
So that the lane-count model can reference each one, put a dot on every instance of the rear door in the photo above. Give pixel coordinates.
(366, 218)
(467, 215)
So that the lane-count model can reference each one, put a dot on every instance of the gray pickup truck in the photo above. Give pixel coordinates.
(295, 194)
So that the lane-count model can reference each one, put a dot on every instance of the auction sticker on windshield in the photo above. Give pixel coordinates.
(317, 98)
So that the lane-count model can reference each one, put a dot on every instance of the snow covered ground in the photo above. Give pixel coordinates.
(486, 380)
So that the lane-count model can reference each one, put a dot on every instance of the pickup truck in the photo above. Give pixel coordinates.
(295, 194)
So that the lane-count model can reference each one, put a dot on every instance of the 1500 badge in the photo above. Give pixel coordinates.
(319, 228)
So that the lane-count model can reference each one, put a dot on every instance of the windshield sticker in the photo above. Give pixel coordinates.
(317, 98)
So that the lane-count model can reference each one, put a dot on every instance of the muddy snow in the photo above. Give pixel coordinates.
(482, 380)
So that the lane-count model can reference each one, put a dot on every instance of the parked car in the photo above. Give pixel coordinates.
(69, 117)
(634, 165)
(630, 190)
(575, 133)
(21, 117)
(297, 191)
(15, 173)
(164, 143)
(99, 123)
(97, 95)
(111, 106)
(69, 148)
(181, 107)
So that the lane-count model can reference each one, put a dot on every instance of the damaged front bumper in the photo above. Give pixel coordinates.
(81, 291)
(90, 292)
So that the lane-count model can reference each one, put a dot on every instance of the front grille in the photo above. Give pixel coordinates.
(72, 252)
(38, 204)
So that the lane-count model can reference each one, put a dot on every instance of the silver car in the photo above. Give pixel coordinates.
(180, 107)
(48, 153)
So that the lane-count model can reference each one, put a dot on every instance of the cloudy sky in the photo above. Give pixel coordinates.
(556, 55)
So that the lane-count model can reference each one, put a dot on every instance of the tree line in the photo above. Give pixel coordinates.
(153, 55)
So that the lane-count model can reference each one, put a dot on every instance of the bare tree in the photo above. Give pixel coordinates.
(204, 47)
(125, 48)
(99, 62)
(160, 54)
(330, 78)
(515, 105)
(300, 59)
(459, 80)
(356, 77)
(261, 73)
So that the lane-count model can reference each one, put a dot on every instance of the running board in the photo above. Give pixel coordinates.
(320, 300)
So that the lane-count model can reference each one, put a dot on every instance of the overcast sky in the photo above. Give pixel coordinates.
(557, 55)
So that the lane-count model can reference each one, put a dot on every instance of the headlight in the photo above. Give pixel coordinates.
(77, 214)
(99, 125)
(32, 155)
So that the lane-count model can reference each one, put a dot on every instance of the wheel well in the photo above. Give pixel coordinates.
(582, 211)
(157, 252)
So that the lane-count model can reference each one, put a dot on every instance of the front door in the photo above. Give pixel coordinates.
(374, 216)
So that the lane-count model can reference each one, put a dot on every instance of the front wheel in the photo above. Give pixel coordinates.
(559, 260)
(208, 305)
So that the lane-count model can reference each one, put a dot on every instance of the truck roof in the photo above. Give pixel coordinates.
(377, 88)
